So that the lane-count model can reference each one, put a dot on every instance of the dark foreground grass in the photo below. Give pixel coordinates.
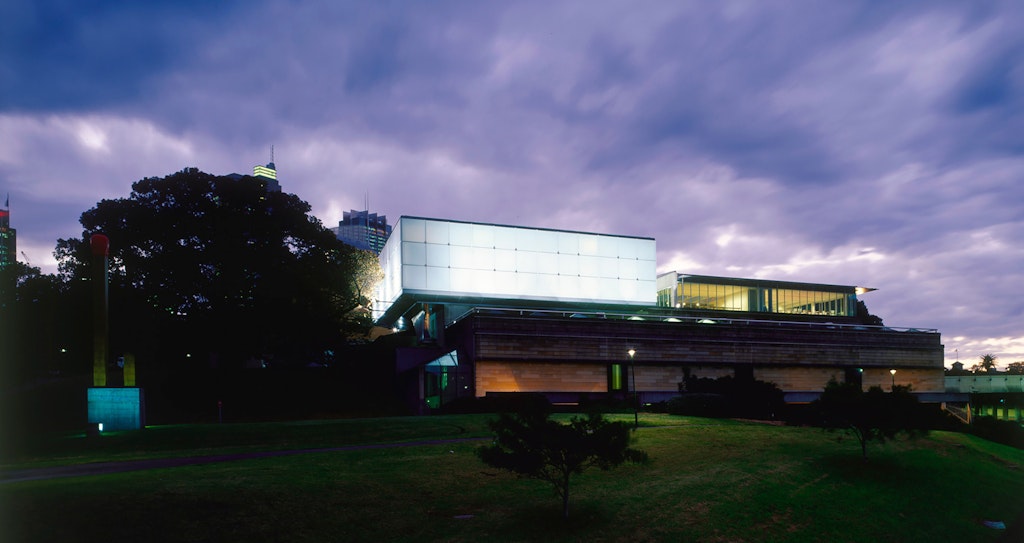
(209, 439)
(707, 481)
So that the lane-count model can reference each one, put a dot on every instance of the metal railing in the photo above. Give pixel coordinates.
(675, 318)
(964, 415)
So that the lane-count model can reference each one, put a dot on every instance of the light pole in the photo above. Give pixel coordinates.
(893, 373)
(632, 374)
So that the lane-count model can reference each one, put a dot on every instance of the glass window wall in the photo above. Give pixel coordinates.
(708, 295)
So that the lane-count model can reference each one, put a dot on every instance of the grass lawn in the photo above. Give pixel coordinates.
(708, 480)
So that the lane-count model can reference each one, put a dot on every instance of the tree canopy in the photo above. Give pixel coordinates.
(220, 270)
(531, 444)
(870, 416)
(986, 364)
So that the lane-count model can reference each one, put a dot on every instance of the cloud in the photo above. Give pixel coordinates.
(66, 56)
(866, 143)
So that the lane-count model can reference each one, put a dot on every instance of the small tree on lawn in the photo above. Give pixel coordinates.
(870, 416)
(531, 444)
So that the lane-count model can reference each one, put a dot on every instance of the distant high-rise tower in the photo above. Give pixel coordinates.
(8, 237)
(363, 230)
(267, 173)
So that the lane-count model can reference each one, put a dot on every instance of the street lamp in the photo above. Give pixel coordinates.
(632, 373)
(893, 373)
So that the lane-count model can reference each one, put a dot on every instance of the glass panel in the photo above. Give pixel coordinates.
(547, 263)
(627, 269)
(461, 234)
(438, 255)
(439, 278)
(505, 283)
(608, 268)
(482, 258)
(414, 230)
(437, 232)
(568, 264)
(414, 254)
(504, 260)
(546, 242)
(483, 235)
(607, 247)
(461, 257)
(568, 243)
(526, 262)
(547, 284)
(504, 238)
(588, 245)
(590, 266)
(414, 277)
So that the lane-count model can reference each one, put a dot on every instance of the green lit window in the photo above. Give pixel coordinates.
(616, 380)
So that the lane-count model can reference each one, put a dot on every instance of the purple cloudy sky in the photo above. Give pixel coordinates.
(864, 143)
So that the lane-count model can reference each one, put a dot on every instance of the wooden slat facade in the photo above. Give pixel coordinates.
(511, 353)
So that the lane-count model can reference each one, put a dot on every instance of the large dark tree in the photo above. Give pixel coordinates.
(216, 270)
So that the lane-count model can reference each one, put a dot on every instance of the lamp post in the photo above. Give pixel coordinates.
(893, 373)
(632, 374)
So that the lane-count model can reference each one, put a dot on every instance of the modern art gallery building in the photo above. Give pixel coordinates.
(504, 309)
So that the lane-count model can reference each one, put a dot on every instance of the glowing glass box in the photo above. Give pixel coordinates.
(433, 257)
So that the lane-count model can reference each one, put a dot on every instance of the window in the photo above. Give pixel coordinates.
(616, 379)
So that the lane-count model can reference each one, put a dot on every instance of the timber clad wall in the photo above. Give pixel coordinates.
(495, 376)
(514, 354)
(536, 377)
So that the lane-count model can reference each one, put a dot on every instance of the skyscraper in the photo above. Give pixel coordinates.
(267, 173)
(8, 237)
(363, 230)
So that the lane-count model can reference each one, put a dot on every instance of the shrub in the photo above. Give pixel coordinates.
(1001, 431)
(727, 397)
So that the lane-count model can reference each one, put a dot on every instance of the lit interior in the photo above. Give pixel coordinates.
(747, 295)
(445, 257)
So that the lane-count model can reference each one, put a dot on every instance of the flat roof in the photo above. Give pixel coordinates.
(771, 283)
(525, 227)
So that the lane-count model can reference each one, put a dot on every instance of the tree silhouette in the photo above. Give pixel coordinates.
(870, 416)
(219, 270)
(531, 444)
(986, 364)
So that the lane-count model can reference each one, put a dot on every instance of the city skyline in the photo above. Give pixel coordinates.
(867, 144)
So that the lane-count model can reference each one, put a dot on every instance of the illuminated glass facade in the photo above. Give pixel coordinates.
(430, 259)
(363, 230)
(756, 296)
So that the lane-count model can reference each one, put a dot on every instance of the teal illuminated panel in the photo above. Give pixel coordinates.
(117, 408)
